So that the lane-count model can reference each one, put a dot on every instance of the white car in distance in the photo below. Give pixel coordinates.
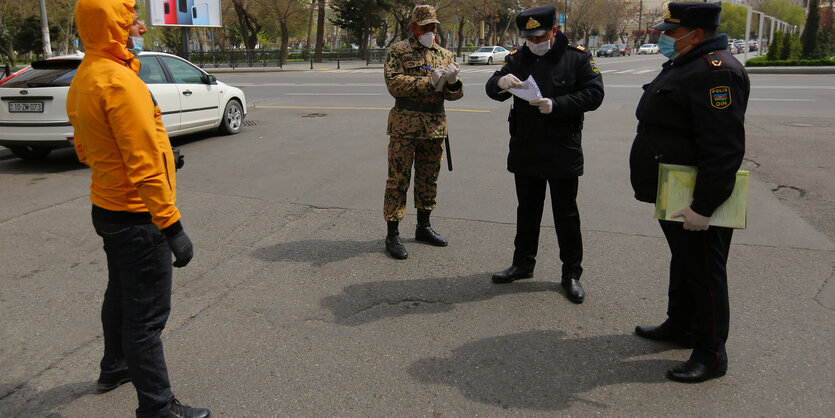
(488, 55)
(33, 112)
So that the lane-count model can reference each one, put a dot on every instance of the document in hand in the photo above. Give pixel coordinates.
(528, 91)
(675, 191)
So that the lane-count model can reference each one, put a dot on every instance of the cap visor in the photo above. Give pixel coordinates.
(665, 26)
(427, 21)
(532, 32)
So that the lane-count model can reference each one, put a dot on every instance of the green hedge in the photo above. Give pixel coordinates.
(765, 62)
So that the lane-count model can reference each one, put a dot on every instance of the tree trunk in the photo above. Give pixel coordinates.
(460, 35)
(285, 39)
(320, 31)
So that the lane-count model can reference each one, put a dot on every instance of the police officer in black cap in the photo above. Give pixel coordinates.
(693, 113)
(545, 140)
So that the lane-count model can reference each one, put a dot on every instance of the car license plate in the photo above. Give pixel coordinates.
(26, 107)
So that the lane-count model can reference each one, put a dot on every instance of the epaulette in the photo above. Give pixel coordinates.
(577, 47)
(714, 61)
(514, 51)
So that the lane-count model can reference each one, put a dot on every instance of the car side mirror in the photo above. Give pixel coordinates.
(210, 79)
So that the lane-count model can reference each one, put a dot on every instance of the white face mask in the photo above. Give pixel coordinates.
(427, 39)
(539, 49)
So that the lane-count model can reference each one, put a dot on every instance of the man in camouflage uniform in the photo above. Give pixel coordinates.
(420, 75)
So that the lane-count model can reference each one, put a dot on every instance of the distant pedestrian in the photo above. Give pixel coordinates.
(545, 134)
(119, 134)
(693, 113)
(420, 75)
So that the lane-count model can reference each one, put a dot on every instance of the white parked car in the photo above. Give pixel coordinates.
(488, 55)
(648, 49)
(33, 115)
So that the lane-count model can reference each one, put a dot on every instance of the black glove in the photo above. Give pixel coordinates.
(179, 243)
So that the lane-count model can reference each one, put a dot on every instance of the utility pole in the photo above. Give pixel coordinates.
(640, 15)
(47, 44)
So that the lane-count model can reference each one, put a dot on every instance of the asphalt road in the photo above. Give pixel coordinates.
(290, 306)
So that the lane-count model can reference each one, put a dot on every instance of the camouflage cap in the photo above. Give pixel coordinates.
(423, 15)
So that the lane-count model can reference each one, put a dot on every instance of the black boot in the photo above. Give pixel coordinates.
(424, 231)
(393, 244)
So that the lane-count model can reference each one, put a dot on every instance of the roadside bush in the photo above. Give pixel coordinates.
(775, 46)
(786, 47)
(765, 62)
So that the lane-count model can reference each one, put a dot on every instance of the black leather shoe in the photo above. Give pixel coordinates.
(110, 381)
(179, 410)
(665, 332)
(573, 290)
(425, 233)
(692, 371)
(395, 247)
(510, 274)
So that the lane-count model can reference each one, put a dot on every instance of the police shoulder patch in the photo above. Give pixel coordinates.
(577, 47)
(514, 51)
(720, 97)
(594, 65)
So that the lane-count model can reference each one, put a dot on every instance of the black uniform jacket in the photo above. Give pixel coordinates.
(548, 146)
(693, 113)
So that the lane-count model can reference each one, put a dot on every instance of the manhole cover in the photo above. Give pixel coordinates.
(313, 115)
(250, 123)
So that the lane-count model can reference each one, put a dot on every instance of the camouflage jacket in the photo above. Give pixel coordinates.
(408, 78)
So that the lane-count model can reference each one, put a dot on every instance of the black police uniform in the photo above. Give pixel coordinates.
(547, 148)
(693, 113)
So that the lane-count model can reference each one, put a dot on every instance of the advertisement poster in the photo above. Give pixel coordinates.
(196, 13)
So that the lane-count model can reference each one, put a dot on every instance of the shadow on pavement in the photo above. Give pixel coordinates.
(25, 403)
(368, 302)
(58, 161)
(318, 252)
(542, 370)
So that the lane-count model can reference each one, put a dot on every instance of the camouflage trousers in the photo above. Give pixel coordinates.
(425, 154)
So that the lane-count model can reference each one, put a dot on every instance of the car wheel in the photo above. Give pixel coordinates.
(233, 118)
(30, 153)
(490, 61)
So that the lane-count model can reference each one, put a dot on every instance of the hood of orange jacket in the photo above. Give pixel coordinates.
(103, 26)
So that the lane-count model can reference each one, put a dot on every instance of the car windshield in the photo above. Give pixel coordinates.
(646, 46)
(45, 74)
(485, 49)
(609, 46)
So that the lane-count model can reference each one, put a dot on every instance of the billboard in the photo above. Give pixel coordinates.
(196, 13)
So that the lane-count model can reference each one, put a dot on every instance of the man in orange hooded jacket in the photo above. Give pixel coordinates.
(119, 134)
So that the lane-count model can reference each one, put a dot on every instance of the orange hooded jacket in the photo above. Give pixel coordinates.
(118, 129)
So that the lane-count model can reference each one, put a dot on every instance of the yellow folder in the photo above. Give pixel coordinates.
(675, 191)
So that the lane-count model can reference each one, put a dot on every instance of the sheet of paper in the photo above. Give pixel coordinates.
(528, 91)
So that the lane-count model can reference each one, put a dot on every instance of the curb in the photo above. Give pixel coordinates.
(791, 70)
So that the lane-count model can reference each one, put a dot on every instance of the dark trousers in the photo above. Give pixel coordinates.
(136, 306)
(698, 296)
(530, 193)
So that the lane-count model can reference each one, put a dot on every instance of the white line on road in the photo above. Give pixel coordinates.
(782, 100)
(332, 94)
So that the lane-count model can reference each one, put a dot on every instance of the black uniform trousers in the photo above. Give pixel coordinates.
(530, 193)
(698, 295)
(136, 306)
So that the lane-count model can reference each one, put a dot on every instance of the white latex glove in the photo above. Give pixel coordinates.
(451, 71)
(436, 76)
(545, 105)
(509, 81)
(692, 220)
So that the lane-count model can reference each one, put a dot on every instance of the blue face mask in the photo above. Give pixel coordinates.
(138, 42)
(667, 45)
